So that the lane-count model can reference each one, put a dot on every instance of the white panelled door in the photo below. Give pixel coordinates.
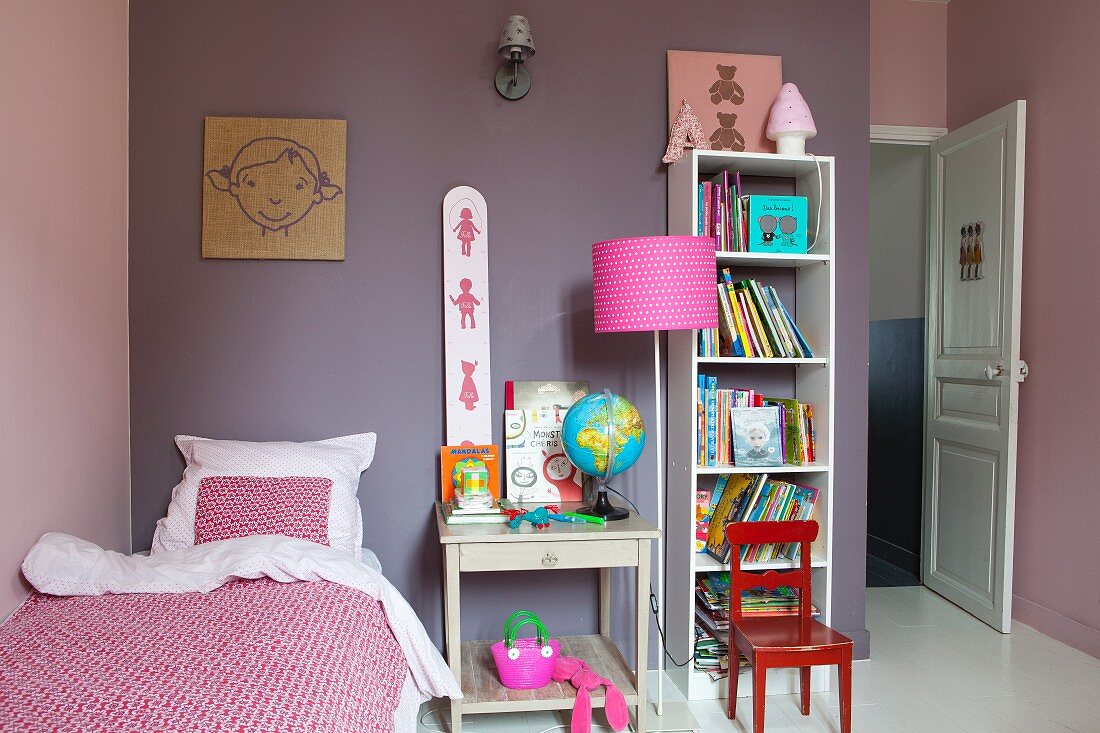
(973, 366)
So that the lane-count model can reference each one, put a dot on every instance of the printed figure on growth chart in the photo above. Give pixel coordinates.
(465, 224)
(468, 392)
(466, 302)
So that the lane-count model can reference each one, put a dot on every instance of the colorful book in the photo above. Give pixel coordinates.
(541, 394)
(712, 420)
(731, 294)
(771, 299)
(450, 516)
(538, 470)
(739, 219)
(780, 320)
(792, 427)
(806, 350)
(700, 420)
(699, 214)
(729, 340)
(764, 313)
(708, 196)
(727, 510)
(777, 224)
(450, 456)
(757, 436)
(756, 324)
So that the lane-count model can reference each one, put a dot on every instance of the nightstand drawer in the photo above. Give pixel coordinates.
(483, 556)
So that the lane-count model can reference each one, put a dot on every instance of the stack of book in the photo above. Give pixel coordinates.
(712, 618)
(712, 656)
(725, 419)
(713, 593)
(454, 514)
(754, 498)
(721, 213)
(753, 322)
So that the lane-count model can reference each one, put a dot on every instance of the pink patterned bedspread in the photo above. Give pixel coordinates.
(252, 656)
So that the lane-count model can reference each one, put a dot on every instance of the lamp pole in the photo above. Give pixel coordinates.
(660, 523)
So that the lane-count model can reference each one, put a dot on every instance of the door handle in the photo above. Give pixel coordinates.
(1022, 371)
(994, 371)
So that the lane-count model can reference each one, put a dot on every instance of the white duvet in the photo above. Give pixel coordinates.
(63, 565)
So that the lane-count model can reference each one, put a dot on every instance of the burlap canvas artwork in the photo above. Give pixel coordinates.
(273, 189)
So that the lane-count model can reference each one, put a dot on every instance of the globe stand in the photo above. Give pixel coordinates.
(604, 508)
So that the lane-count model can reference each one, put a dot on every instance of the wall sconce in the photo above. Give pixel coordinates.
(513, 81)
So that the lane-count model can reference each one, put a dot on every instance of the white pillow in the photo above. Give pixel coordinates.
(338, 459)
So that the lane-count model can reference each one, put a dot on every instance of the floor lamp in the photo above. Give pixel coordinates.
(655, 284)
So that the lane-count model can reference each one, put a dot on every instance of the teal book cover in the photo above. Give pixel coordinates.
(777, 224)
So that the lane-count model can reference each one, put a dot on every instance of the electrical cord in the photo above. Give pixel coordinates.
(819, 197)
(654, 607)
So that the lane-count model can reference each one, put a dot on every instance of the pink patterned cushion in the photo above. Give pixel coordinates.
(240, 506)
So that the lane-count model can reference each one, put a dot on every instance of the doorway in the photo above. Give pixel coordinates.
(898, 259)
(966, 483)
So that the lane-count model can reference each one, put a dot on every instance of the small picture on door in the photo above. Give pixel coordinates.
(971, 251)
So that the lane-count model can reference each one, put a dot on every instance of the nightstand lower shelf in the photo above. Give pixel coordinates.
(484, 693)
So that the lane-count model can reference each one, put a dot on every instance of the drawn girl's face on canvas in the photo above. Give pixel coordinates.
(276, 182)
(278, 193)
(757, 438)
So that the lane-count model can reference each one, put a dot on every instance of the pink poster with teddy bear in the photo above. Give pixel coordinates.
(731, 93)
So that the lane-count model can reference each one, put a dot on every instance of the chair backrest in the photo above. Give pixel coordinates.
(753, 533)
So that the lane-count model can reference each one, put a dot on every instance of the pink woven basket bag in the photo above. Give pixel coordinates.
(525, 664)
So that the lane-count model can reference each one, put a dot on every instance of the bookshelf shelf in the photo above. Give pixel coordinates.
(804, 468)
(760, 360)
(806, 282)
(764, 259)
(706, 563)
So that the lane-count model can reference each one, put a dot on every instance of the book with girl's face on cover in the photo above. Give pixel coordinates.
(757, 436)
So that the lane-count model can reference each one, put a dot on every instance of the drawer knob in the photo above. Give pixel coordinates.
(550, 559)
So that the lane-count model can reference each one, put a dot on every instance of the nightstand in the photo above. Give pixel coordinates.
(474, 548)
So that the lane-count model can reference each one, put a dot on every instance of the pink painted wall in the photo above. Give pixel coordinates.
(64, 423)
(1044, 53)
(908, 63)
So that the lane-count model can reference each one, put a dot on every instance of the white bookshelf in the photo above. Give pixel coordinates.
(810, 380)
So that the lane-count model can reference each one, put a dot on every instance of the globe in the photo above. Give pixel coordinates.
(586, 432)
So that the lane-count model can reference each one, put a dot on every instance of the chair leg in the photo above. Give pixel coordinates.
(845, 675)
(804, 688)
(735, 669)
(759, 688)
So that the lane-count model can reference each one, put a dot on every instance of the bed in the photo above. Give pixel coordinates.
(250, 634)
(256, 611)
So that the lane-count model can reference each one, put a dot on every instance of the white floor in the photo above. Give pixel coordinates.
(934, 669)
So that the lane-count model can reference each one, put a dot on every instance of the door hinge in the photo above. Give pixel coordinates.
(1021, 371)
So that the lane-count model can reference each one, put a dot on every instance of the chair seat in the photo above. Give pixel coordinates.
(786, 632)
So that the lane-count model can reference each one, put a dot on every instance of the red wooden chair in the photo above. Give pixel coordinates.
(781, 641)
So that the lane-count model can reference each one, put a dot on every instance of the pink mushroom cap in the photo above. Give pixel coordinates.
(790, 114)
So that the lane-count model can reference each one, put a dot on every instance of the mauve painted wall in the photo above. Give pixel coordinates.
(908, 63)
(64, 418)
(299, 350)
(1044, 53)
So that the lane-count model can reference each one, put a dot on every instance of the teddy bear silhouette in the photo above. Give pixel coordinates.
(725, 137)
(726, 88)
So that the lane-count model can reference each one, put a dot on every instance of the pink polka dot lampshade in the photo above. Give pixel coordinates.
(654, 284)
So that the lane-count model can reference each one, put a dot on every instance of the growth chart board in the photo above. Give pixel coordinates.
(466, 317)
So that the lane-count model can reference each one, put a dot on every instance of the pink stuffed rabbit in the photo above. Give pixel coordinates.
(585, 680)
